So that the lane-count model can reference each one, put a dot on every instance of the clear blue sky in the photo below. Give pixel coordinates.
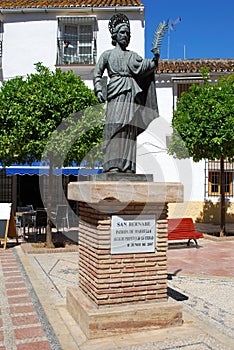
(206, 29)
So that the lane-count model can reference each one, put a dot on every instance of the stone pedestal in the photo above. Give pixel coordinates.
(119, 293)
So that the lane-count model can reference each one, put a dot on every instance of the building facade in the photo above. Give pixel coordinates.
(69, 35)
(201, 180)
(64, 34)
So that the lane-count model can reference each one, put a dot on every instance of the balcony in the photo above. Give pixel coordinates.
(76, 55)
(74, 52)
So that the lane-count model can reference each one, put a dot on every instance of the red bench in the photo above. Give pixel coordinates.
(181, 229)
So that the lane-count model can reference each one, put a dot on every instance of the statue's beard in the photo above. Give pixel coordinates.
(123, 43)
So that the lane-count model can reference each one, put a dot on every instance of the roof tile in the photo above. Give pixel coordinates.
(11, 4)
(195, 65)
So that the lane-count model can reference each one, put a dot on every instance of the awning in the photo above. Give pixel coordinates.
(37, 169)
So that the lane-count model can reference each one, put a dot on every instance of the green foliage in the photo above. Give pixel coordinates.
(203, 122)
(31, 109)
(78, 138)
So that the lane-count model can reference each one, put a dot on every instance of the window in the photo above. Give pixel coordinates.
(214, 183)
(214, 178)
(76, 40)
(181, 85)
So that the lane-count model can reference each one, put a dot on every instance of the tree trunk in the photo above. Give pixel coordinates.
(49, 242)
(222, 199)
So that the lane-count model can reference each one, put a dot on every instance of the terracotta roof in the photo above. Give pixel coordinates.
(12, 4)
(194, 65)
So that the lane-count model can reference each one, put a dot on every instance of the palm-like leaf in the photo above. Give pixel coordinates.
(158, 36)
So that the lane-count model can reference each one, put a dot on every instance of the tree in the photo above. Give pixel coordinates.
(31, 110)
(203, 125)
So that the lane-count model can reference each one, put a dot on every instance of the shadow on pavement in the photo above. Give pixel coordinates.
(174, 294)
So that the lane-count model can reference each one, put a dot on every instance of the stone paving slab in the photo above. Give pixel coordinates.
(211, 258)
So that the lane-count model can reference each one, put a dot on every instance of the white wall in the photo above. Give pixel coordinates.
(165, 101)
(26, 43)
(136, 42)
(103, 37)
(152, 156)
(31, 38)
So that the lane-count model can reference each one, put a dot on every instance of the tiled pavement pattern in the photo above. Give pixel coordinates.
(29, 321)
(23, 323)
(214, 258)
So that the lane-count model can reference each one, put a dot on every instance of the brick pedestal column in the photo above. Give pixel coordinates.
(121, 292)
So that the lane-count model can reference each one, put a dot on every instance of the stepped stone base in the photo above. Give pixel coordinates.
(99, 323)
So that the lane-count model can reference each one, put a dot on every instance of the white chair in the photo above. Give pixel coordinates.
(61, 219)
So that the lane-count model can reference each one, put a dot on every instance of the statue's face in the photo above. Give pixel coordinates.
(123, 36)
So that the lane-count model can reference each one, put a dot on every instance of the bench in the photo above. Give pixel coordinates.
(183, 229)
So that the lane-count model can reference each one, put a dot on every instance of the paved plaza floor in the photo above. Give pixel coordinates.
(33, 301)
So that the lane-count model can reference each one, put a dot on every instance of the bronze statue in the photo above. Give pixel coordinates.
(131, 97)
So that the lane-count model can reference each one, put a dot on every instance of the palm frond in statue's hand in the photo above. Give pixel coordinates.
(158, 36)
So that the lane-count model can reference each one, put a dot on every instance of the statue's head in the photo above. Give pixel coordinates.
(117, 24)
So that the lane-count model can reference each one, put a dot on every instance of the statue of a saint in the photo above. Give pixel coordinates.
(131, 97)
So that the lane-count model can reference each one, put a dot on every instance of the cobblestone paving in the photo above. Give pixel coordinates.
(209, 299)
(202, 342)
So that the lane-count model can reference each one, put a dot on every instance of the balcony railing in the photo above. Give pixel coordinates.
(75, 53)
